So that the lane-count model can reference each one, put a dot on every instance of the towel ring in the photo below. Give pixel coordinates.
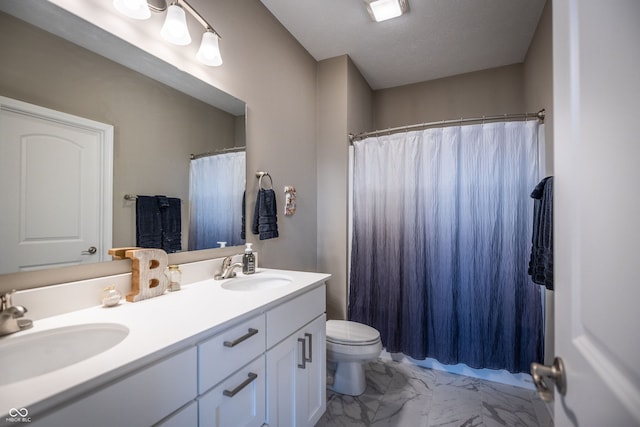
(261, 175)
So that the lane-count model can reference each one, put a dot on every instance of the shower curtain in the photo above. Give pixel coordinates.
(216, 188)
(441, 238)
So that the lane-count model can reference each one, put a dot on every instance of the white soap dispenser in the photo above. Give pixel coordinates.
(248, 260)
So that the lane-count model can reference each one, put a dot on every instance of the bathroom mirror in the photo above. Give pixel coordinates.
(160, 114)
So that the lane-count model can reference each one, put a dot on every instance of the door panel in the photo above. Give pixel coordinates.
(596, 91)
(55, 171)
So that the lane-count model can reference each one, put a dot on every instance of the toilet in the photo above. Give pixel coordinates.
(349, 346)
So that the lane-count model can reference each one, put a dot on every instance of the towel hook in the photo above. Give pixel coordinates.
(261, 175)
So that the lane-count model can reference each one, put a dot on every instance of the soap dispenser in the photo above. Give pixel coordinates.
(248, 260)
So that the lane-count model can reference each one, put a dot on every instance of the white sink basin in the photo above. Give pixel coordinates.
(258, 282)
(43, 352)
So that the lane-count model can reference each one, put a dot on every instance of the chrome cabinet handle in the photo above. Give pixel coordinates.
(303, 365)
(92, 250)
(555, 373)
(237, 341)
(250, 377)
(310, 359)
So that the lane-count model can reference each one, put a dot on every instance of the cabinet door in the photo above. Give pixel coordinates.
(282, 372)
(311, 386)
(296, 377)
(238, 401)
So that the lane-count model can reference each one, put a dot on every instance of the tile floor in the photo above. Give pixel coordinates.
(404, 395)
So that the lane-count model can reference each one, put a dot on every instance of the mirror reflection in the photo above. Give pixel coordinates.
(156, 128)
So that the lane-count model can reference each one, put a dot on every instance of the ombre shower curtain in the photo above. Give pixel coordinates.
(442, 223)
(216, 188)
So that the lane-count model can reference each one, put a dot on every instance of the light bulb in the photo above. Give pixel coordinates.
(209, 52)
(175, 28)
(136, 9)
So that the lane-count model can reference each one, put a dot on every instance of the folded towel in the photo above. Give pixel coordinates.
(171, 221)
(541, 260)
(148, 223)
(265, 220)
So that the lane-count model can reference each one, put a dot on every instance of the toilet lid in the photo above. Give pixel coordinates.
(354, 333)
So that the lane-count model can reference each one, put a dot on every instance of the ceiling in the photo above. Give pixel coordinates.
(437, 38)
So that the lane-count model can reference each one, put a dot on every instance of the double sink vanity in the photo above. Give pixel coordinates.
(245, 351)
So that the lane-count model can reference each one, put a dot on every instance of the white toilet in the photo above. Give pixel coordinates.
(349, 346)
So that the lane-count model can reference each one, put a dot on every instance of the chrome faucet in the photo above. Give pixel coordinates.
(226, 271)
(11, 316)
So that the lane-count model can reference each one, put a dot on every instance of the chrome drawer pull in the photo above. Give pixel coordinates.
(237, 341)
(303, 365)
(245, 383)
(310, 359)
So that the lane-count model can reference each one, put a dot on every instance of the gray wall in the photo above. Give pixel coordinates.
(487, 92)
(344, 105)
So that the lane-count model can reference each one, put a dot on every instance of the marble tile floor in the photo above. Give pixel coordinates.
(404, 395)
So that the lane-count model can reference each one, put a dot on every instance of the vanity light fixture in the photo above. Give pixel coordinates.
(381, 10)
(175, 29)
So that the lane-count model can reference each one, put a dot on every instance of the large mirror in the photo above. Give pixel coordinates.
(160, 115)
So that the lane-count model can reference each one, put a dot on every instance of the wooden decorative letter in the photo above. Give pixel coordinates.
(148, 277)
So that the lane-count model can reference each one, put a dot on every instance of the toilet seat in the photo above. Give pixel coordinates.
(349, 333)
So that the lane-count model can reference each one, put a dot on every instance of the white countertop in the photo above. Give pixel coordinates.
(157, 327)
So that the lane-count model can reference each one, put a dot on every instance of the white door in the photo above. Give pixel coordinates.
(596, 61)
(55, 188)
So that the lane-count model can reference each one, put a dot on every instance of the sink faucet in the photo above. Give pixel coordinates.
(11, 316)
(226, 271)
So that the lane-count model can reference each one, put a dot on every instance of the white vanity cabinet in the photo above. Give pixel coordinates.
(296, 361)
(267, 368)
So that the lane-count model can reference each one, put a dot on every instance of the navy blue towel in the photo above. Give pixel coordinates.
(148, 223)
(541, 260)
(243, 233)
(158, 223)
(171, 220)
(265, 216)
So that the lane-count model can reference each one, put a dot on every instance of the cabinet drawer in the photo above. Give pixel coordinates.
(142, 399)
(239, 401)
(287, 318)
(228, 351)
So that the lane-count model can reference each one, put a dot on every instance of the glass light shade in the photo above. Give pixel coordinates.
(385, 9)
(136, 9)
(175, 28)
(209, 52)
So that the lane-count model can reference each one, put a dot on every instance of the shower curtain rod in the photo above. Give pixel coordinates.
(526, 116)
(213, 153)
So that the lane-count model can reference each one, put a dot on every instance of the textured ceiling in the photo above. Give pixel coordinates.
(437, 38)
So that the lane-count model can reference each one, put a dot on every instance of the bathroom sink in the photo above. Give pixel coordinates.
(258, 282)
(24, 357)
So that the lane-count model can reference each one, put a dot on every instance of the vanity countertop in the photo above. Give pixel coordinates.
(157, 327)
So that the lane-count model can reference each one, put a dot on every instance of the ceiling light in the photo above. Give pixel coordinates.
(136, 9)
(175, 29)
(381, 10)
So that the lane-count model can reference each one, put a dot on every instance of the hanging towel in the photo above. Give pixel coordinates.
(243, 232)
(265, 220)
(171, 221)
(148, 223)
(541, 260)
